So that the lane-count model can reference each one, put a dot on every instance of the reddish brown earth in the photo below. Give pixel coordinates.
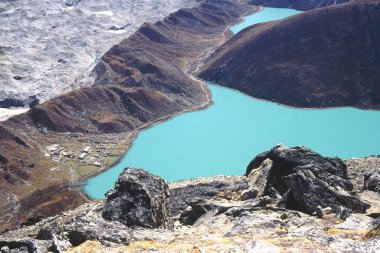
(138, 82)
(326, 57)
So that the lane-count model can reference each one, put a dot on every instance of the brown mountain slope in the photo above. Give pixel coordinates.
(297, 4)
(322, 58)
(140, 81)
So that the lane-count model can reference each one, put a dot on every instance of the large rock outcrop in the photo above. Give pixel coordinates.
(139, 199)
(215, 220)
(286, 161)
(327, 57)
(307, 192)
(304, 179)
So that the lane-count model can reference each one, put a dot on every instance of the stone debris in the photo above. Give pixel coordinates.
(142, 213)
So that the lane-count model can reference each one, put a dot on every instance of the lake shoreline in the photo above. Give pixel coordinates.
(208, 87)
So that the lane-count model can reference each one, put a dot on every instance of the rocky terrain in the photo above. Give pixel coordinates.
(291, 200)
(327, 57)
(142, 80)
(48, 48)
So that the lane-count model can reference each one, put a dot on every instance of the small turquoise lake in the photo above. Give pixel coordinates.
(225, 137)
(265, 15)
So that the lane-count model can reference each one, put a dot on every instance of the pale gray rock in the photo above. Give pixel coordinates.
(258, 176)
(320, 212)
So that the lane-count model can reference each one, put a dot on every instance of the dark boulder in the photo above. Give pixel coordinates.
(196, 209)
(250, 193)
(304, 179)
(309, 192)
(372, 181)
(11, 102)
(286, 161)
(139, 199)
(33, 101)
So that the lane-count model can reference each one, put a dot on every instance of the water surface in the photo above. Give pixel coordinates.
(224, 138)
(265, 15)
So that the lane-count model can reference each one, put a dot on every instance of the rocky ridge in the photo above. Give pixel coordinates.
(222, 220)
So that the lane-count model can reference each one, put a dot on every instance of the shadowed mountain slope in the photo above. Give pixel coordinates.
(302, 5)
(326, 57)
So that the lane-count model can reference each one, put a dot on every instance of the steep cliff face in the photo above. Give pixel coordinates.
(138, 82)
(322, 58)
(302, 5)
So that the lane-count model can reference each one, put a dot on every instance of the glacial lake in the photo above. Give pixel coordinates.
(225, 137)
(265, 15)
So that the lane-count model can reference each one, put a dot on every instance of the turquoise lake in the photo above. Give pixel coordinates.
(265, 15)
(225, 137)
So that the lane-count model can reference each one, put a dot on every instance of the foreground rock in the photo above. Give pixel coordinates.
(306, 193)
(304, 179)
(139, 199)
(214, 219)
